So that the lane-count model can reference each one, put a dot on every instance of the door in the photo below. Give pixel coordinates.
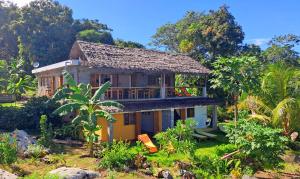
(147, 123)
(166, 119)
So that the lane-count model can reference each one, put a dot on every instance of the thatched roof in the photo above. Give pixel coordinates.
(135, 59)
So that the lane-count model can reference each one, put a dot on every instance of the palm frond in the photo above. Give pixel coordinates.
(68, 78)
(256, 104)
(105, 115)
(260, 117)
(110, 104)
(67, 108)
(79, 98)
(282, 109)
(61, 93)
(102, 89)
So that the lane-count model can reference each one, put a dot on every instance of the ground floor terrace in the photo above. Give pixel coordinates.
(153, 116)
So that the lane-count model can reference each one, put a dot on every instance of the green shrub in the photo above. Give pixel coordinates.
(116, 156)
(180, 137)
(68, 131)
(46, 132)
(8, 149)
(260, 144)
(36, 151)
(27, 117)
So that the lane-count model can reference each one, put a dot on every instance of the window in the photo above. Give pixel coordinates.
(105, 78)
(129, 118)
(190, 112)
(153, 80)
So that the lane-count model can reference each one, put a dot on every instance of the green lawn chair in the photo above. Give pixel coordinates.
(199, 137)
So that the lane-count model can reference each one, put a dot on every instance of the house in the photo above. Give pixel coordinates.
(142, 80)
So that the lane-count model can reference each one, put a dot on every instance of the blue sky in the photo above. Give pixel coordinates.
(137, 20)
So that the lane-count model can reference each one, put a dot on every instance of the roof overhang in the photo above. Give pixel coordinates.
(58, 65)
(168, 103)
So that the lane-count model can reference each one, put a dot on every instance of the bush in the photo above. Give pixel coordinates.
(116, 156)
(179, 138)
(68, 131)
(260, 144)
(36, 151)
(8, 149)
(27, 117)
(210, 164)
(46, 132)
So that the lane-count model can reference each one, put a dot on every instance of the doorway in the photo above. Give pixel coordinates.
(147, 126)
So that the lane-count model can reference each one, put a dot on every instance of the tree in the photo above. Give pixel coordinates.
(282, 49)
(129, 44)
(45, 28)
(236, 75)
(92, 35)
(8, 39)
(18, 81)
(3, 75)
(278, 101)
(88, 107)
(203, 36)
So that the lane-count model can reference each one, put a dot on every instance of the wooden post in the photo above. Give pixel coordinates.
(172, 117)
(214, 117)
(138, 123)
(163, 86)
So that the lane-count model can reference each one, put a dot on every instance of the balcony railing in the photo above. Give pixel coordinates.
(140, 93)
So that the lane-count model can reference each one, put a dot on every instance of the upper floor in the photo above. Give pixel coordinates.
(135, 74)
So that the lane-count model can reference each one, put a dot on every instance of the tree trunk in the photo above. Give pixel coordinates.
(91, 148)
(236, 110)
(110, 132)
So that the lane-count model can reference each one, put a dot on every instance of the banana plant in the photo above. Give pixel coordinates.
(87, 106)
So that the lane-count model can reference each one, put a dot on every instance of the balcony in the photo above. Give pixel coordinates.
(144, 93)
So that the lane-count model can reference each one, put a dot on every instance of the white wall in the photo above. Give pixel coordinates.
(201, 116)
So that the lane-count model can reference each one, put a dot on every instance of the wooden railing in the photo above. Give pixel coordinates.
(121, 93)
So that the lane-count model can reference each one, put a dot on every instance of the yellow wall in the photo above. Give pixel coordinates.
(121, 131)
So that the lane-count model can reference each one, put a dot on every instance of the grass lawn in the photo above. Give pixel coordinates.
(17, 104)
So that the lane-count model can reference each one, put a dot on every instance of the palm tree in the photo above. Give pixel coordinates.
(278, 103)
(88, 107)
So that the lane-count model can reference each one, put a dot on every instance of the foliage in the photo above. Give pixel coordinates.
(260, 144)
(46, 28)
(278, 101)
(211, 164)
(90, 107)
(46, 136)
(116, 156)
(27, 116)
(92, 35)
(282, 49)
(236, 75)
(36, 151)
(3, 75)
(129, 44)
(178, 138)
(67, 131)
(8, 149)
(202, 35)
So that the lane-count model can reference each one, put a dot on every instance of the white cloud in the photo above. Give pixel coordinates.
(258, 41)
(20, 3)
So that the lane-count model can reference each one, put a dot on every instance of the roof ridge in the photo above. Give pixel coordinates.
(131, 48)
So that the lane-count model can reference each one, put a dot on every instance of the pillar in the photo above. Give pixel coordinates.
(214, 117)
(172, 117)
